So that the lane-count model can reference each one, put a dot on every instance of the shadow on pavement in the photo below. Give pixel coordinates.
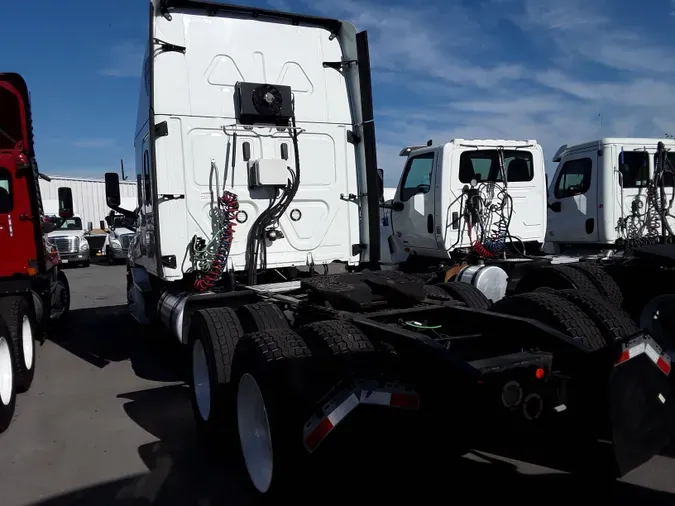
(180, 474)
(109, 334)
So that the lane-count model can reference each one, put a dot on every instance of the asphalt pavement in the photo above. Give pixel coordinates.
(108, 422)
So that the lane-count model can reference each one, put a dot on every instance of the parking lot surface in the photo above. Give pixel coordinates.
(108, 422)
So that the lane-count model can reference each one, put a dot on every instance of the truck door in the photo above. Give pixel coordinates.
(414, 224)
(573, 202)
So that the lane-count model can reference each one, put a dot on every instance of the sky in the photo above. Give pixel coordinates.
(558, 71)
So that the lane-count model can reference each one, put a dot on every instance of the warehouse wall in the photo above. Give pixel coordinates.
(88, 196)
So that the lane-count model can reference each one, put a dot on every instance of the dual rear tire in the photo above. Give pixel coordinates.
(255, 383)
(17, 353)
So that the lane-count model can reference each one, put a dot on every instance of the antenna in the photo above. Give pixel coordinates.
(124, 178)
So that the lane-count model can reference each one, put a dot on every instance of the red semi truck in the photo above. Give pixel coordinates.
(33, 290)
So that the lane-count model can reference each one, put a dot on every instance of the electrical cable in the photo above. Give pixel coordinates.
(211, 269)
(256, 249)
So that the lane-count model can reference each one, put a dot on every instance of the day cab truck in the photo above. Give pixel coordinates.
(258, 247)
(610, 204)
(33, 290)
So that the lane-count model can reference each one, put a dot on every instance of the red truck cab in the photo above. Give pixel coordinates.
(33, 290)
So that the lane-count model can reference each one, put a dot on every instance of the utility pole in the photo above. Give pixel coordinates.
(124, 178)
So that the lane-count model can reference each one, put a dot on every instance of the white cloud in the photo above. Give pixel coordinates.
(124, 60)
(577, 71)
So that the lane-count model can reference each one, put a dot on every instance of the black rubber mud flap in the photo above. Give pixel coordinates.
(642, 412)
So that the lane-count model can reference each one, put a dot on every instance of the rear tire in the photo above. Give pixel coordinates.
(272, 409)
(556, 312)
(558, 277)
(612, 321)
(262, 316)
(213, 336)
(20, 321)
(7, 376)
(602, 281)
(468, 294)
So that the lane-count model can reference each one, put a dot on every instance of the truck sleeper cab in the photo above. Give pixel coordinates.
(275, 367)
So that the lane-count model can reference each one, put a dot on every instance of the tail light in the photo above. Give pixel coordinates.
(22, 161)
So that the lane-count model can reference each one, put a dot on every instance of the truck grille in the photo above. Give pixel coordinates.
(66, 244)
(125, 240)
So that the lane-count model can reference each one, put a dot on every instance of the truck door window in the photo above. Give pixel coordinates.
(6, 197)
(483, 165)
(574, 178)
(417, 176)
(634, 167)
(10, 119)
(668, 178)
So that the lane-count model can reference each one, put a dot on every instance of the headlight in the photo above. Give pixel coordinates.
(84, 245)
(115, 244)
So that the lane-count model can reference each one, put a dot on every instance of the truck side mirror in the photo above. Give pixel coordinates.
(112, 189)
(101, 224)
(90, 226)
(65, 203)
(380, 185)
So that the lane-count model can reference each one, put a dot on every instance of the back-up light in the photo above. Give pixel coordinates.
(647, 346)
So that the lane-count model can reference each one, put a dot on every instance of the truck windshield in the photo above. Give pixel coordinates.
(71, 224)
(483, 165)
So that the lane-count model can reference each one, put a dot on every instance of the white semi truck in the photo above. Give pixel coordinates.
(255, 152)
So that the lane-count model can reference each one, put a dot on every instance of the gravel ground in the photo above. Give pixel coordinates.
(108, 422)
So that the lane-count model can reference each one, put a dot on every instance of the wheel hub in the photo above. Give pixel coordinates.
(27, 342)
(254, 433)
(200, 380)
(6, 372)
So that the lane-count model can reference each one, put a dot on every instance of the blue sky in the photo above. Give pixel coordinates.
(559, 71)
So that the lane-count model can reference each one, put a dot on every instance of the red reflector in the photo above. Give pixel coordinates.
(540, 373)
(404, 401)
(624, 356)
(321, 431)
(663, 365)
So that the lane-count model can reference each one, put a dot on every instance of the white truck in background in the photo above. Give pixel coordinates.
(256, 156)
(610, 203)
(69, 237)
(121, 231)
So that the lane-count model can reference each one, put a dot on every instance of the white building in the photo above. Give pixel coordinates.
(88, 197)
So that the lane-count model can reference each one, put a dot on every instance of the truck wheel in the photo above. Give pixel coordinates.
(20, 321)
(63, 294)
(7, 383)
(612, 321)
(468, 294)
(558, 277)
(556, 312)
(602, 281)
(262, 316)
(435, 292)
(214, 333)
(271, 408)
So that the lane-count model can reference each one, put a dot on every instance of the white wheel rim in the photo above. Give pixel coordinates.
(200, 380)
(6, 372)
(27, 342)
(254, 433)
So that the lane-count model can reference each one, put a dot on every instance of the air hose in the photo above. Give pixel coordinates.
(211, 271)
